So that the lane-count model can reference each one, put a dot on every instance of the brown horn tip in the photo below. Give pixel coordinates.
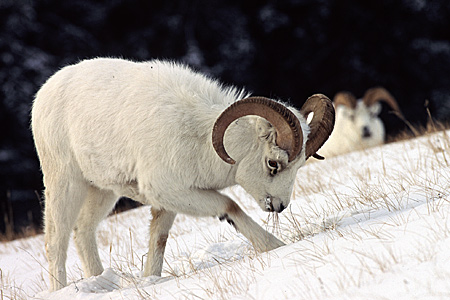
(322, 123)
(345, 98)
(286, 124)
(317, 156)
(379, 93)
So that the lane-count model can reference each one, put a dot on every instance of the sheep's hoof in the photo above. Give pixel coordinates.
(225, 217)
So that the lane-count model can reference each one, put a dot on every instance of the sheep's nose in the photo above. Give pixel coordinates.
(366, 132)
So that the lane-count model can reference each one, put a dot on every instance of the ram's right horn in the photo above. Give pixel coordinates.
(321, 125)
(379, 93)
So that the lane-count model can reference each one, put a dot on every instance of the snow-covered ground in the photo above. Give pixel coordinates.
(366, 225)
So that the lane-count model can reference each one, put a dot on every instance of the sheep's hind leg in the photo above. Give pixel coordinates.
(159, 231)
(97, 205)
(63, 201)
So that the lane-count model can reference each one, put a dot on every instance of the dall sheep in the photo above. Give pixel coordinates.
(156, 132)
(358, 125)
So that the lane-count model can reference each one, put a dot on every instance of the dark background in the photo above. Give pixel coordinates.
(283, 49)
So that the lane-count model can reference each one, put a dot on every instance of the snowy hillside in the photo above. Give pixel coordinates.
(366, 225)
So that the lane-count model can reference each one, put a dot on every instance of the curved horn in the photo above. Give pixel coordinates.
(379, 93)
(345, 98)
(322, 123)
(286, 124)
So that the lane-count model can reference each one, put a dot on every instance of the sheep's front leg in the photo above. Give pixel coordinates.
(212, 203)
(159, 231)
(260, 238)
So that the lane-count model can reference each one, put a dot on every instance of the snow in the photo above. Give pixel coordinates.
(366, 225)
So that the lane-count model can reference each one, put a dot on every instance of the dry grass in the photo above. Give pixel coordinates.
(415, 131)
(360, 194)
(333, 199)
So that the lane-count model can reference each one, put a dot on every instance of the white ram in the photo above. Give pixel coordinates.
(358, 125)
(156, 132)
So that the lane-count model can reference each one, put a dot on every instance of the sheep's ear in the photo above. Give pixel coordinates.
(375, 109)
(265, 130)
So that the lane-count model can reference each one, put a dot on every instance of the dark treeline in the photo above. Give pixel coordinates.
(283, 49)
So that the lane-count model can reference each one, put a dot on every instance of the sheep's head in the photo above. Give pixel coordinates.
(282, 145)
(359, 118)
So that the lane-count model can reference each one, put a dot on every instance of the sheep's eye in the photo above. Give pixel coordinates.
(273, 166)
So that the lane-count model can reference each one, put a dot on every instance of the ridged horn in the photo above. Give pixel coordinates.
(322, 123)
(286, 124)
(344, 98)
(379, 93)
